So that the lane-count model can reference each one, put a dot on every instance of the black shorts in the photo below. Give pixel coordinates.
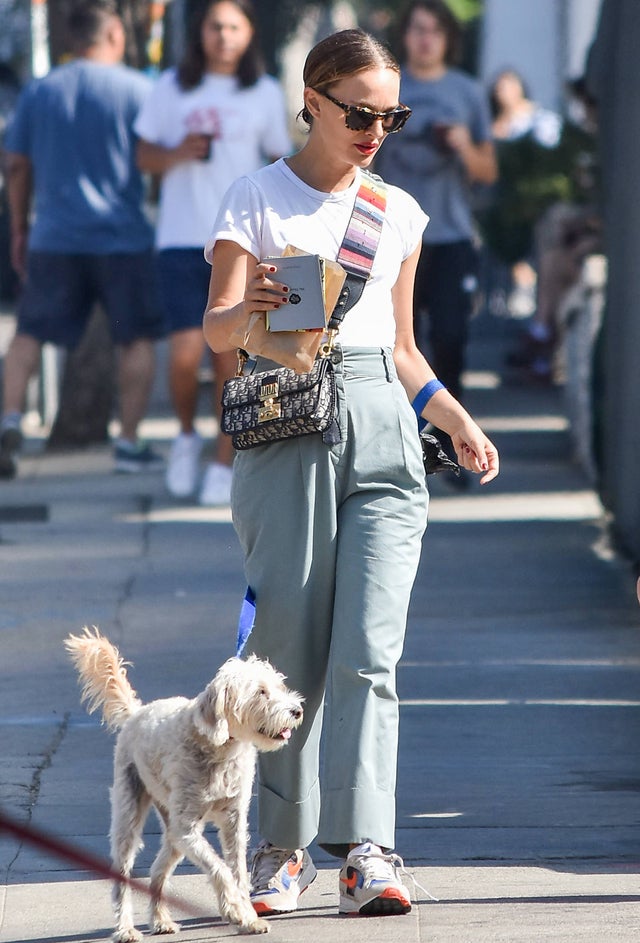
(445, 290)
(183, 276)
(447, 282)
(61, 290)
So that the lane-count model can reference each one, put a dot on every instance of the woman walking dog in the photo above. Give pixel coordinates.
(331, 526)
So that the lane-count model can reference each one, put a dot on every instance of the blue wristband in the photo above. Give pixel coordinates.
(423, 396)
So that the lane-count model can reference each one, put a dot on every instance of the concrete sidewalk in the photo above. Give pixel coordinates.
(519, 777)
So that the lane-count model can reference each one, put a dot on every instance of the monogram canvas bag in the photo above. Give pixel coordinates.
(266, 407)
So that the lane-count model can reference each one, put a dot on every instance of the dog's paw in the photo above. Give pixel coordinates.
(244, 916)
(165, 926)
(259, 925)
(127, 935)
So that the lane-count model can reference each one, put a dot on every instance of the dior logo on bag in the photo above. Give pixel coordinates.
(278, 404)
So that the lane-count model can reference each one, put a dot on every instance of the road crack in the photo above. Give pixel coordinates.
(35, 786)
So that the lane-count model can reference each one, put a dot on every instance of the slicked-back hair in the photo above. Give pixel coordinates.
(342, 55)
(193, 66)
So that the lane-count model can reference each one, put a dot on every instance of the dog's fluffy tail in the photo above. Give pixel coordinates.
(105, 685)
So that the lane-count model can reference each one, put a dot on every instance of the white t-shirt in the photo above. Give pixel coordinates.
(272, 207)
(249, 127)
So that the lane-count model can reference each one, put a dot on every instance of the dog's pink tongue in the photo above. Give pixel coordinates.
(286, 733)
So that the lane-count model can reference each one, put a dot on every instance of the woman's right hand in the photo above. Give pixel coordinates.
(240, 285)
(262, 292)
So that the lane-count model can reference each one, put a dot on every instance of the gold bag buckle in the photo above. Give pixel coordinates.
(270, 404)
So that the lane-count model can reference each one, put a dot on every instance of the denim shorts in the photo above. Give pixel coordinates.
(61, 290)
(183, 276)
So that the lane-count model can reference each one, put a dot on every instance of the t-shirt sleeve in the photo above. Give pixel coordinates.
(239, 219)
(417, 225)
(481, 121)
(275, 140)
(412, 220)
(150, 120)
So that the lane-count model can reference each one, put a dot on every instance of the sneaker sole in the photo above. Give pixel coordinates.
(180, 492)
(123, 467)
(390, 903)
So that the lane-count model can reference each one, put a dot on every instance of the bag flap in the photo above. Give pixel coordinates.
(281, 382)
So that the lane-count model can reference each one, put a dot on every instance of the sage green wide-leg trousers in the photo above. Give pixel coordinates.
(332, 538)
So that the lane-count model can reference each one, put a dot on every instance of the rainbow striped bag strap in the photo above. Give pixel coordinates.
(360, 243)
(361, 239)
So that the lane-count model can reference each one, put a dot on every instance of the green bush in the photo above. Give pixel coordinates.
(532, 178)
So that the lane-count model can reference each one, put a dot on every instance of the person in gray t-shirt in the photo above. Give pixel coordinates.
(445, 147)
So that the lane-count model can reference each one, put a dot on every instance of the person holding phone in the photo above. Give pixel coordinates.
(214, 117)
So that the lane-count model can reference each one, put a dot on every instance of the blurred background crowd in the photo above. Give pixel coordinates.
(556, 232)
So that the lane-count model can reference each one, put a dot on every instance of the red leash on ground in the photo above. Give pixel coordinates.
(59, 848)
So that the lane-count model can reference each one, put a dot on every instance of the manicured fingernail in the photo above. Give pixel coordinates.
(272, 268)
(276, 306)
(284, 299)
(484, 467)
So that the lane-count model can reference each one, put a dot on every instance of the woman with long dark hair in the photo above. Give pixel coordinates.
(215, 117)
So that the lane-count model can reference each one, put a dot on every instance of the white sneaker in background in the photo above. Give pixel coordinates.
(216, 485)
(182, 469)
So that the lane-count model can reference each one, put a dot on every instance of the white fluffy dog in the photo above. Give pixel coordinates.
(194, 760)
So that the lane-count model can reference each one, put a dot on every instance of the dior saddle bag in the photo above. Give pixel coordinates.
(279, 404)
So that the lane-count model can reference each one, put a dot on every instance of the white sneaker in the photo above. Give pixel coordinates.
(216, 485)
(369, 885)
(182, 470)
(278, 877)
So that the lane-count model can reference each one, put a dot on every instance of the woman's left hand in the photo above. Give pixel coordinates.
(476, 452)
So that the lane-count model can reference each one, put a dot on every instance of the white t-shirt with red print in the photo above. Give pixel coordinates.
(249, 128)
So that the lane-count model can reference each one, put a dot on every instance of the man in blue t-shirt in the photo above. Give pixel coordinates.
(78, 231)
(445, 147)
